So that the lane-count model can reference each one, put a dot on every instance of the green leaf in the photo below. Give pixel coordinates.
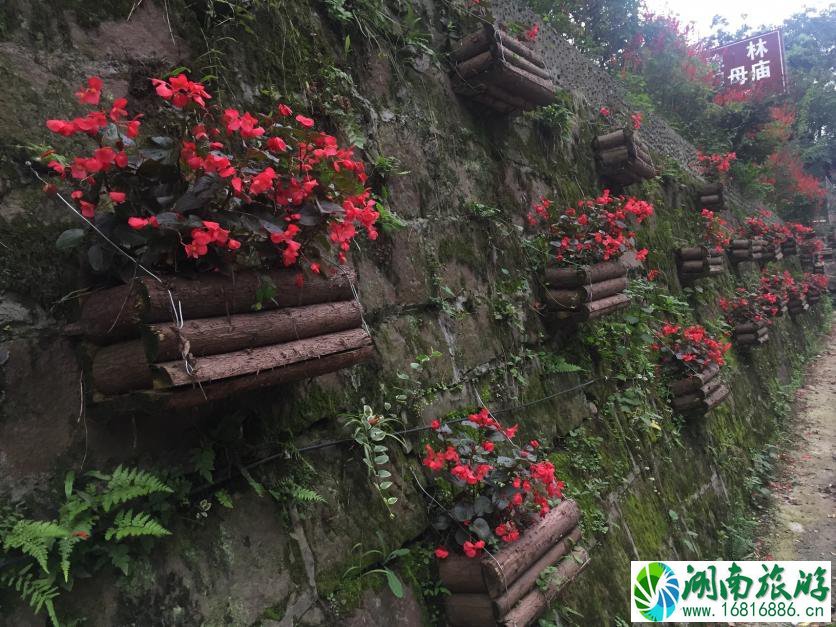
(395, 584)
(224, 499)
(69, 239)
(381, 459)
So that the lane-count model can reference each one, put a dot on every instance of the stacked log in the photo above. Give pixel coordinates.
(813, 296)
(500, 72)
(710, 196)
(695, 262)
(586, 292)
(503, 589)
(751, 333)
(771, 251)
(699, 392)
(827, 254)
(741, 250)
(623, 158)
(221, 346)
(758, 249)
(797, 304)
(789, 247)
(809, 258)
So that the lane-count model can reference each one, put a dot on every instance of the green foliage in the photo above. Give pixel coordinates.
(74, 539)
(288, 489)
(553, 363)
(382, 567)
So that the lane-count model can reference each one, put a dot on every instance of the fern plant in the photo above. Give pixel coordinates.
(90, 527)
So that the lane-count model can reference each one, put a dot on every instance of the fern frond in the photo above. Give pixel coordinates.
(38, 592)
(305, 495)
(127, 524)
(35, 538)
(130, 483)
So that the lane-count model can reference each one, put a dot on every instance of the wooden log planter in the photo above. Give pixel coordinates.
(751, 333)
(623, 158)
(502, 589)
(789, 247)
(745, 250)
(699, 392)
(586, 292)
(770, 251)
(696, 262)
(813, 296)
(300, 333)
(710, 196)
(797, 304)
(500, 72)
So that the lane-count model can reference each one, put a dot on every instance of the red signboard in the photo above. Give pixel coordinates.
(755, 63)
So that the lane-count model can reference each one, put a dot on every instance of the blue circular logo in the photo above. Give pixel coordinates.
(656, 591)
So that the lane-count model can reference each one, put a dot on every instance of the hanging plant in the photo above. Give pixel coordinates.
(217, 188)
(745, 313)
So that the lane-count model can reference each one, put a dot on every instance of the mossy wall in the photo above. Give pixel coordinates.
(458, 277)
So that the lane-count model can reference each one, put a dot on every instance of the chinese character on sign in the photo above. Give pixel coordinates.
(804, 582)
(756, 63)
(701, 584)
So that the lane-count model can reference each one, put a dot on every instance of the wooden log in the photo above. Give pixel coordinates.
(475, 65)
(642, 154)
(538, 601)
(610, 140)
(710, 201)
(741, 243)
(518, 47)
(521, 62)
(568, 300)
(116, 313)
(185, 398)
(120, 368)
(719, 269)
(472, 45)
(469, 610)
(614, 155)
(601, 289)
(461, 574)
(709, 403)
(692, 253)
(507, 565)
(603, 307)
(214, 336)
(711, 188)
(748, 327)
(489, 95)
(746, 338)
(694, 266)
(528, 580)
(254, 360)
(576, 276)
(643, 169)
(694, 381)
(532, 88)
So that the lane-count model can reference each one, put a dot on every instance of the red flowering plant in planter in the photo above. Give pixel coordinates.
(688, 349)
(715, 167)
(716, 232)
(596, 230)
(745, 306)
(760, 226)
(218, 187)
(489, 488)
(773, 293)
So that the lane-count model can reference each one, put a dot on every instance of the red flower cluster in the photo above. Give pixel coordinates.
(765, 227)
(774, 291)
(276, 178)
(491, 482)
(683, 347)
(746, 306)
(596, 230)
(715, 166)
(636, 119)
(789, 178)
(716, 233)
(531, 33)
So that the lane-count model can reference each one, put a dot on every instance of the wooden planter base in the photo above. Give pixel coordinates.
(699, 393)
(789, 248)
(771, 252)
(300, 333)
(741, 250)
(747, 334)
(623, 158)
(500, 72)
(502, 589)
(696, 262)
(710, 196)
(586, 292)
(797, 306)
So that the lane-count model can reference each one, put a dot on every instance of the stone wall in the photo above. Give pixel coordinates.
(454, 278)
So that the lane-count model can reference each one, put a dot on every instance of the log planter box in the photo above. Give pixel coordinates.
(623, 158)
(502, 589)
(747, 334)
(586, 292)
(699, 392)
(500, 72)
(299, 333)
(770, 251)
(827, 254)
(746, 250)
(696, 262)
(797, 305)
(710, 196)
(813, 296)
(789, 247)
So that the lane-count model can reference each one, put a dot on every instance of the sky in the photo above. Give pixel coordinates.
(756, 12)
